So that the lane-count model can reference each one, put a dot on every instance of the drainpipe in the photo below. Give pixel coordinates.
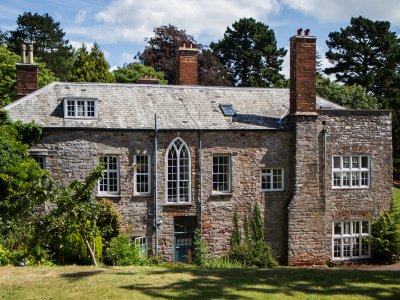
(155, 185)
(324, 134)
(201, 185)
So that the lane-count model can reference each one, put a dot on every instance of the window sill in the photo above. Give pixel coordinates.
(108, 195)
(271, 191)
(221, 194)
(177, 204)
(141, 195)
(351, 188)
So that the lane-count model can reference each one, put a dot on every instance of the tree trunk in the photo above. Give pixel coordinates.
(92, 255)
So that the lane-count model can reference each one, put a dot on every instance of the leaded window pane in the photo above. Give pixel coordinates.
(178, 172)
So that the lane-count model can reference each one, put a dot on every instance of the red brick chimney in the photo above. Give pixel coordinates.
(187, 72)
(303, 73)
(27, 73)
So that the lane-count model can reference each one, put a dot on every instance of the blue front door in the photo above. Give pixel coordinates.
(184, 228)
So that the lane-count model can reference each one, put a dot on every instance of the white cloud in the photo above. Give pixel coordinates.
(343, 10)
(78, 44)
(134, 20)
(81, 16)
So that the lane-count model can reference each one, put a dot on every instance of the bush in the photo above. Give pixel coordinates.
(4, 256)
(72, 249)
(253, 254)
(122, 252)
(385, 236)
(200, 253)
(109, 221)
(223, 262)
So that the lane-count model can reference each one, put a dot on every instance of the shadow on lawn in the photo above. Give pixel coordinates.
(79, 275)
(255, 283)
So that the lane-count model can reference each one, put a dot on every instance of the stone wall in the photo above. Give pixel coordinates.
(348, 133)
(74, 153)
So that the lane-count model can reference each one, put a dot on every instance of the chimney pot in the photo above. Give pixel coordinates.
(23, 53)
(306, 32)
(30, 54)
(299, 31)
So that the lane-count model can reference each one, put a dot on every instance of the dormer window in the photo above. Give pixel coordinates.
(80, 108)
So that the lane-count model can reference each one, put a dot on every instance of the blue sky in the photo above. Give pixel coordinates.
(120, 26)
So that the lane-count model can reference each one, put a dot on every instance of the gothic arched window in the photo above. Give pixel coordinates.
(178, 172)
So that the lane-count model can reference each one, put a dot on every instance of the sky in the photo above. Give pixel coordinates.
(121, 26)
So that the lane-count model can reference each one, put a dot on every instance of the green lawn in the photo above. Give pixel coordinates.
(170, 283)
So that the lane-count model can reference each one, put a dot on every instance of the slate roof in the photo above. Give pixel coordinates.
(133, 106)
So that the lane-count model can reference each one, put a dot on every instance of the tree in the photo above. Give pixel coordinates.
(77, 210)
(90, 67)
(48, 40)
(350, 96)
(131, 73)
(249, 52)
(23, 184)
(367, 53)
(2, 38)
(8, 61)
(161, 53)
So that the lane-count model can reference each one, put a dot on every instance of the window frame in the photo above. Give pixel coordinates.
(75, 114)
(178, 181)
(147, 174)
(106, 172)
(270, 176)
(229, 182)
(351, 236)
(350, 173)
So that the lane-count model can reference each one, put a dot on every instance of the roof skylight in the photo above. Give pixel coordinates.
(227, 110)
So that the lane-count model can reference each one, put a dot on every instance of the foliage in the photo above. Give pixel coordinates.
(4, 256)
(365, 53)
(200, 253)
(236, 236)
(77, 211)
(253, 251)
(22, 184)
(47, 38)
(131, 73)
(90, 67)
(123, 252)
(161, 53)
(257, 225)
(109, 221)
(350, 96)
(73, 250)
(385, 236)
(250, 54)
(8, 61)
(253, 254)
(223, 262)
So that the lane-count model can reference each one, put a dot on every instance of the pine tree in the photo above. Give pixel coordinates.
(250, 54)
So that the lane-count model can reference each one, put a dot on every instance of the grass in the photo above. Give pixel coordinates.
(75, 282)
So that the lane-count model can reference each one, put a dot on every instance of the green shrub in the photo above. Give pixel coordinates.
(223, 262)
(123, 252)
(200, 253)
(72, 249)
(253, 254)
(385, 236)
(4, 256)
(109, 221)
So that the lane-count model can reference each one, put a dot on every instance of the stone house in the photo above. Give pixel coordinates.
(186, 156)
